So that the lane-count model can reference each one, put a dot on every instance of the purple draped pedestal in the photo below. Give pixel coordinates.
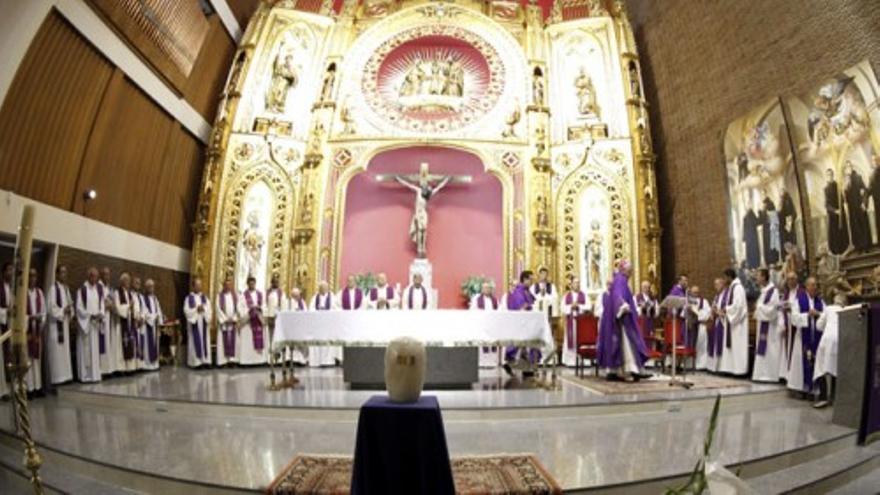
(401, 448)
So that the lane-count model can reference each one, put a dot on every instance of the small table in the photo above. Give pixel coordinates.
(401, 448)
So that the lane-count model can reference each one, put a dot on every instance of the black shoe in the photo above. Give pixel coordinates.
(613, 378)
(643, 376)
(508, 369)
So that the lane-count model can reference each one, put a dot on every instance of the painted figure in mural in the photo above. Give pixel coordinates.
(838, 238)
(586, 94)
(855, 194)
(874, 194)
(252, 245)
(425, 186)
(594, 256)
(284, 77)
(769, 220)
(750, 238)
(787, 218)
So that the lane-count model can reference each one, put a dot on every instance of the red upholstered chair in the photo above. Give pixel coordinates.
(682, 351)
(587, 339)
(654, 345)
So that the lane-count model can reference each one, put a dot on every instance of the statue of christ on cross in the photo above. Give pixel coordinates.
(425, 185)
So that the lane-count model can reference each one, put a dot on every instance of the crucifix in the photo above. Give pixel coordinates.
(425, 185)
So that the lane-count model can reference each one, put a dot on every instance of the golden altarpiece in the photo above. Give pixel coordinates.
(552, 107)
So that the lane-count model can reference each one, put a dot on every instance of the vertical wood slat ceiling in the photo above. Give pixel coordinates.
(208, 75)
(71, 121)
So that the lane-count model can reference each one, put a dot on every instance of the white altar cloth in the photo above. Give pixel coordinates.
(435, 328)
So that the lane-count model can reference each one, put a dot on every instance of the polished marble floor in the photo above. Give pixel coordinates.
(324, 388)
(579, 450)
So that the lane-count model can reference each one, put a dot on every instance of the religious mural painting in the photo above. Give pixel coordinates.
(766, 222)
(835, 130)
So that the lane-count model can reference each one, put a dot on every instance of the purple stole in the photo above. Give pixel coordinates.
(152, 351)
(409, 298)
(199, 338)
(7, 349)
(60, 323)
(300, 305)
(374, 293)
(33, 331)
(569, 320)
(346, 298)
(326, 305)
(481, 303)
(129, 334)
(254, 315)
(810, 336)
(765, 327)
(83, 294)
(229, 328)
(139, 341)
(718, 329)
(727, 336)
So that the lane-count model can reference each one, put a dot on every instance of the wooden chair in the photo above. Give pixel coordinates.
(587, 338)
(682, 350)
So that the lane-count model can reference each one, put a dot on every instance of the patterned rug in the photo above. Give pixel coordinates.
(657, 383)
(490, 475)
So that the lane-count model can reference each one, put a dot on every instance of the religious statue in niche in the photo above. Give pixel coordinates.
(586, 94)
(538, 88)
(540, 144)
(252, 243)
(433, 85)
(541, 218)
(594, 256)
(425, 186)
(327, 85)
(634, 86)
(284, 78)
(305, 216)
(315, 140)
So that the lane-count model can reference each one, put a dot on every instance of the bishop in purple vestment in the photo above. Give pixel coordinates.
(521, 299)
(620, 346)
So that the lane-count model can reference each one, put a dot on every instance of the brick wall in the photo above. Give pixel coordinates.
(707, 62)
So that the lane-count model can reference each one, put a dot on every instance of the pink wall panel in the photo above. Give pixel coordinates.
(465, 235)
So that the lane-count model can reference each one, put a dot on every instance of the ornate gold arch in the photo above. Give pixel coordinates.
(489, 166)
(281, 185)
(623, 238)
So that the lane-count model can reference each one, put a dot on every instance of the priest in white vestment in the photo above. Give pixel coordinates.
(137, 304)
(124, 325)
(809, 316)
(383, 291)
(296, 302)
(825, 373)
(546, 294)
(574, 303)
(36, 319)
(58, 341)
(230, 312)
(701, 312)
(6, 298)
(351, 297)
(197, 311)
(111, 353)
(151, 312)
(788, 301)
(715, 341)
(768, 338)
(254, 342)
(276, 302)
(735, 339)
(416, 296)
(486, 301)
(89, 339)
(324, 355)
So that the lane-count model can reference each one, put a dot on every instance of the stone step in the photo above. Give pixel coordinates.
(822, 475)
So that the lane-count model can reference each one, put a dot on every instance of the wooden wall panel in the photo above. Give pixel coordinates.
(243, 10)
(206, 81)
(174, 206)
(123, 161)
(48, 112)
